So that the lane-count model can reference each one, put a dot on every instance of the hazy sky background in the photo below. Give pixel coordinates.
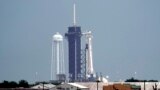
(126, 36)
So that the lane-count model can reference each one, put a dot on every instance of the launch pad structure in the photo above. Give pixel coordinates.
(74, 45)
(80, 61)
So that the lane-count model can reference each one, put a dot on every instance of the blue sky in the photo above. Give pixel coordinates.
(126, 36)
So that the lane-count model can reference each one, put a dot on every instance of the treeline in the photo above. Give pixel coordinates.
(137, 80)
(13, 84)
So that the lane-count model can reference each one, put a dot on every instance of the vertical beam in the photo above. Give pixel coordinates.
(74, 14)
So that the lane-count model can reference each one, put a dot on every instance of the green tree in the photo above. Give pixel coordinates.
(23, 83)
(4, 84)
(12, 84)
(132, 80)
(8, 84)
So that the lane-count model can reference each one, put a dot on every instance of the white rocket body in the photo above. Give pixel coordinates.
(89, 58)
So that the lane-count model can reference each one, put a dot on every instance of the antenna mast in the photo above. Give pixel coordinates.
(74, 14)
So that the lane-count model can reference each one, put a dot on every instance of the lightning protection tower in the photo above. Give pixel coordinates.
(57, 64)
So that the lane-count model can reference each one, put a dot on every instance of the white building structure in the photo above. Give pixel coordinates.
(72, 86)
(57, 62)
(44, 86)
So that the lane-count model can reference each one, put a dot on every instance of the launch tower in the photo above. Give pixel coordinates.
(74, 45)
